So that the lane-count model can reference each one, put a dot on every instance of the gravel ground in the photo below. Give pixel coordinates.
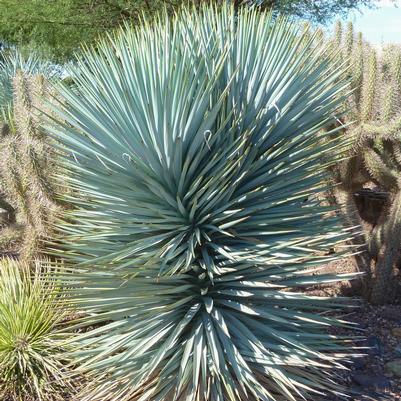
(377, 375)
(371, 375)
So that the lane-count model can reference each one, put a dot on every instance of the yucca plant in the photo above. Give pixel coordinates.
(32, 350)
(194, 156)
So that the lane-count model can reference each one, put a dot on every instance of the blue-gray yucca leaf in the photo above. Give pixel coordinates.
(195, 157)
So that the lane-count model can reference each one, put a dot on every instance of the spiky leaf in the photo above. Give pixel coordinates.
(195, 154)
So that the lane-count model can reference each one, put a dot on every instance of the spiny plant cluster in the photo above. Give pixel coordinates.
(375, 157)
(26, 166)
(33, 354)
(195, 154)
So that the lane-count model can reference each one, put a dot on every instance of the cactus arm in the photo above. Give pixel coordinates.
(338, 34)
(388, 107)
(379, 171)
(397, 155)
(369, 88)
(357, 65)
(389, 255)
(349, 40)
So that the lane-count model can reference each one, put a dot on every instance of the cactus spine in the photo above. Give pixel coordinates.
(369, 88)
(25, 170)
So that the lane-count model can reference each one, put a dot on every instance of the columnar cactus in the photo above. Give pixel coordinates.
(375, 156)
(26, 167)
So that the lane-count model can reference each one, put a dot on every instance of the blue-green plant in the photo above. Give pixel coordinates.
(194, 157)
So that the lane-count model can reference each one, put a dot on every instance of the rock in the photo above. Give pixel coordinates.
(394, 367)
(396, 332)
(397, 351)
(366, 380)
(375, 345)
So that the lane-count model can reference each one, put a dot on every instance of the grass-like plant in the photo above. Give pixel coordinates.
(195, 154)
(32, 354)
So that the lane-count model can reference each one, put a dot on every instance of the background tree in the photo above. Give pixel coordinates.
(58, 27)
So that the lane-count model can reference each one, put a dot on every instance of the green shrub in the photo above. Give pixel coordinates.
(32, 354)
(195, 157)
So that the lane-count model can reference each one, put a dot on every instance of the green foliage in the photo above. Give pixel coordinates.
(27, 190)
(32, 354)
(194, 156)
(58, 27)
(375, 109)
(321, 11)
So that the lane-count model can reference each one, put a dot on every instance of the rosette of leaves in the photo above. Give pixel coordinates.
(33, 354)
(195, 154)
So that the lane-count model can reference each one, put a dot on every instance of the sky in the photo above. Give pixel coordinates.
(380, 25)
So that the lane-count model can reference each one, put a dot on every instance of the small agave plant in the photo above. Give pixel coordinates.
(33, 353)
(195, 153)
